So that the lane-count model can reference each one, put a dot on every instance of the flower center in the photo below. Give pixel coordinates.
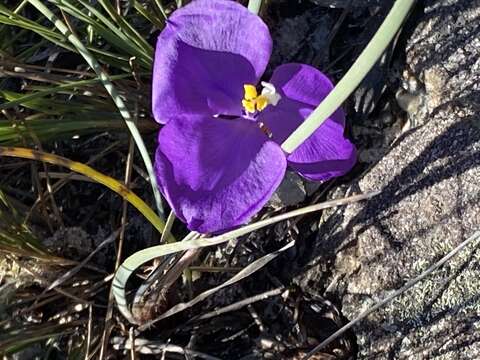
(252, 102)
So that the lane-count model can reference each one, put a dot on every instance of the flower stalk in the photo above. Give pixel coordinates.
(254, 6)
(353, 77)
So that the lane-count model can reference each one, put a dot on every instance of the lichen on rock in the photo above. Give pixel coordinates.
(429, 203)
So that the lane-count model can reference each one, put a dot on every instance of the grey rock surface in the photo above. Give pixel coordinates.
(351, 3)
(292, 191)
(430, 202)
(302, 38)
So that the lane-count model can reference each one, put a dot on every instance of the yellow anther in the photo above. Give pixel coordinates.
(249, 105)
(250, 92)
(261, 102)
(252, 102)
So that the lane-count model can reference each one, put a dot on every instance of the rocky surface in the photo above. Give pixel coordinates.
(299, 37)
(429, 203)
(350, 3)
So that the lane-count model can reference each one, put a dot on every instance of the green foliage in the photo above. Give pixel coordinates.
(73, 100)
(111, 89)
(13, 233)
(113, 46)
(17, 339)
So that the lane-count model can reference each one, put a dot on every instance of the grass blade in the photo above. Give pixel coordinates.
(244, 273)
(149, 15)
(107, 83)
(141, 257)
(13, 233)
(54, 90)
(126, 27)
(51, 128)
(16, 339)
(70, 273)
(108, 30)
(86, 170)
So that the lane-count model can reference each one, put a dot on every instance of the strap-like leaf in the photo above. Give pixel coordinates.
(136, 260)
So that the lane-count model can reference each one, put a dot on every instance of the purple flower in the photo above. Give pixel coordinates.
(219, 158)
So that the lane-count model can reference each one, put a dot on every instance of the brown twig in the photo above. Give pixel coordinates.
(242, 303)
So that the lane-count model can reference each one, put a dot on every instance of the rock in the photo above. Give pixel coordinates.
(290, 192)
(302, 38)
(293, 190)
(351, 3)
(429, 203)
(366, 96)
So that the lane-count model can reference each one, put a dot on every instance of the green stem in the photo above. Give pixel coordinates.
(354, 75)
(42, 93)
(254, 6)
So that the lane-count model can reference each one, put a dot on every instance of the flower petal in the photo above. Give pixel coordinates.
(187, 80)
(305, 84)
(215, 173)
(327, 153)
(226, 26)
(206, 53)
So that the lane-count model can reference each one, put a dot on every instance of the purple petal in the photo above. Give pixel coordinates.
(215, 173)
(187, 80)
(305, 84)
(206, 53)
(327, 153)
(226, 26)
